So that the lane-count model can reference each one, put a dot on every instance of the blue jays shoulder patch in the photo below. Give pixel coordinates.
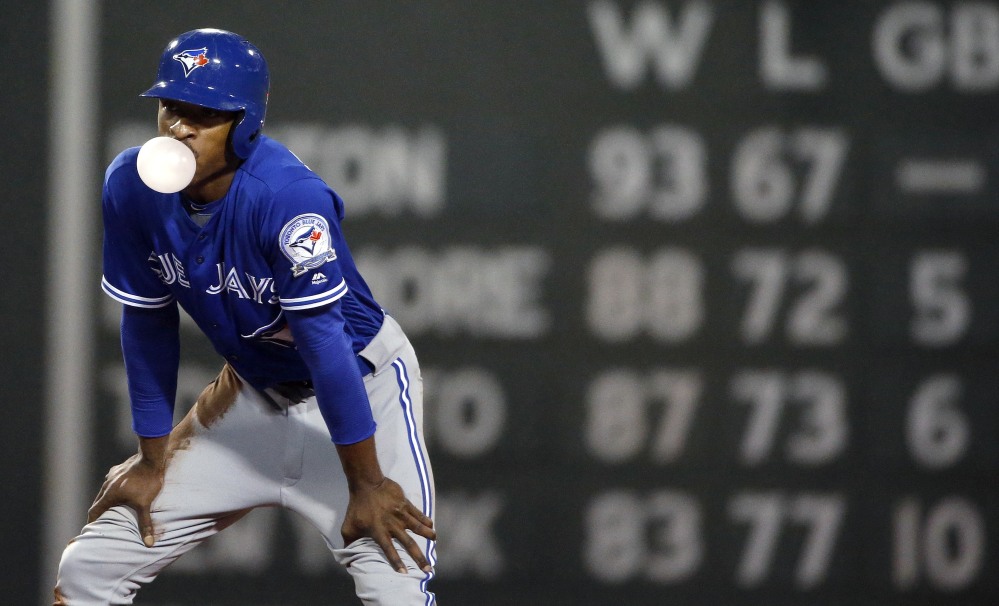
(305, 240)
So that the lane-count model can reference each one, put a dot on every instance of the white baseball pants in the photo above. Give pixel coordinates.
(254, 455)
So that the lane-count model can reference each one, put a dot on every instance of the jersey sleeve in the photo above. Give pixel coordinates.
(128, 268)
(150, 345)
(304, 236)
(340, 393)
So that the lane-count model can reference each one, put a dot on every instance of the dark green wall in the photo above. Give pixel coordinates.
(863, 314)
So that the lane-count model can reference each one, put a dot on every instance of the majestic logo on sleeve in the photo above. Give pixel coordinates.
(192, 59)
(305, 240)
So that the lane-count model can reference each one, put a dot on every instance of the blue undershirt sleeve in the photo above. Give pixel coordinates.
(150, 344)
(325, 347)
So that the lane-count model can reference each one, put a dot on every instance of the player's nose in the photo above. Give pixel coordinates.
(181, 129)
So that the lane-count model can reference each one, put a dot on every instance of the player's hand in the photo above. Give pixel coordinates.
(382, 513)
(134, 483)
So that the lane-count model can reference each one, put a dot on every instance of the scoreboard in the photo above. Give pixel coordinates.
(704, 291)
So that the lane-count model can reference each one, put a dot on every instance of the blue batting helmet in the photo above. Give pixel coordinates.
(221, 70)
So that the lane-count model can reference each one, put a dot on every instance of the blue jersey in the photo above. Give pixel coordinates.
(273, 244)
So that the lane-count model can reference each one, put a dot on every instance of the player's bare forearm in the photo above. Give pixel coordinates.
(378, 507)
(154, 450)
(360, 464)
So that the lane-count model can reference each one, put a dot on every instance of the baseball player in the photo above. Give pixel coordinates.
(318, 407)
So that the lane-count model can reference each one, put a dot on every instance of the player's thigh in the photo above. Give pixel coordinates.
(396, 396)
(225, 459)
(220, 465)
(108, 562)
(321, 494)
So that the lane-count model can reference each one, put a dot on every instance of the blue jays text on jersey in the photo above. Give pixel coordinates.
(170, 270)
(272, 244)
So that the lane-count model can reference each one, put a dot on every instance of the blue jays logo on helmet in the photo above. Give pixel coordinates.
(192, 59)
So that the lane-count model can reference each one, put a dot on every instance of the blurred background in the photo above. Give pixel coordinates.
(704, 291)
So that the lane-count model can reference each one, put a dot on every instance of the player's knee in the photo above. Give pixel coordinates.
(79, 569)
(72, 569)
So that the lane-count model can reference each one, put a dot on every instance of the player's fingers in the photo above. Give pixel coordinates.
(423, 518)
(391, 554)
(146, 526)
(419, 522)
(101, 504)
(414, 551)
(419, 525)
(100, 494)
(103, 501)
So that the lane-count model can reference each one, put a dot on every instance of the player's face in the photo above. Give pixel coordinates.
(206, 132)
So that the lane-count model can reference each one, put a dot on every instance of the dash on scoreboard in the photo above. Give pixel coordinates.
(953, 176)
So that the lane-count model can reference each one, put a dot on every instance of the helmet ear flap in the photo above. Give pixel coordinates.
(244, 134)
(231, 137)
